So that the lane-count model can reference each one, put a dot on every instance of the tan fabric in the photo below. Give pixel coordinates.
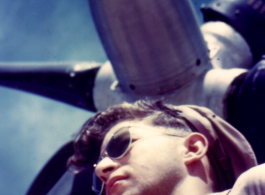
(229, 151)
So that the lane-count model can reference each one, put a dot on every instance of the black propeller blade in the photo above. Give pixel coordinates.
(68, 82)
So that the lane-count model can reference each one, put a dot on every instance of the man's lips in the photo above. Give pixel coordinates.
(112, 181)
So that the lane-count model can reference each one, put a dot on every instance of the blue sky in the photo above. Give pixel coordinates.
(61, 30)
(33, 128)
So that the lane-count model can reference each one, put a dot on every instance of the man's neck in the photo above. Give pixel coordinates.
(195, 186)
(199, 179)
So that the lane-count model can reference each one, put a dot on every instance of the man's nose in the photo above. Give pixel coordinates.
(105, 167)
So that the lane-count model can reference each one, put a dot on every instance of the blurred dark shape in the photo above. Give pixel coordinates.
(246, 108)
(54, 179)
(82, 184)
(52, 171)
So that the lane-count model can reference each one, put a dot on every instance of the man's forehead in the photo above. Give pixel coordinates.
(120, 125)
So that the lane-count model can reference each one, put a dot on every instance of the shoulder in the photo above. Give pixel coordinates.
(251, 182)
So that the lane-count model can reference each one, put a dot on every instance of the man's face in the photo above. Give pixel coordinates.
(153, 163)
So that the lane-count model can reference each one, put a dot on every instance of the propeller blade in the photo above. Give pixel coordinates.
(68, 82)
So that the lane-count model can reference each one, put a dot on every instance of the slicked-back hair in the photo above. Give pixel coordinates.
(89, 139)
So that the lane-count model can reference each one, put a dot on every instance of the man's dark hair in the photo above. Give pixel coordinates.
(89, 139)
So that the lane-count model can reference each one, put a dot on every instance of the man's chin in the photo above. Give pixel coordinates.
(123, 187)
(118, 188)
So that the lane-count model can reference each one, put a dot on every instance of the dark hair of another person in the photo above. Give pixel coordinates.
(89, 139)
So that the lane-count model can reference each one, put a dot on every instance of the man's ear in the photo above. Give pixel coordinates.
(196, 147)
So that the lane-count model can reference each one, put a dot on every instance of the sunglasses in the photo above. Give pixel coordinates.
(116, 148)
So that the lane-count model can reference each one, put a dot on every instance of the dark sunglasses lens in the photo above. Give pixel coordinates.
(97, 184)
(116, 147)
(119, 143)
